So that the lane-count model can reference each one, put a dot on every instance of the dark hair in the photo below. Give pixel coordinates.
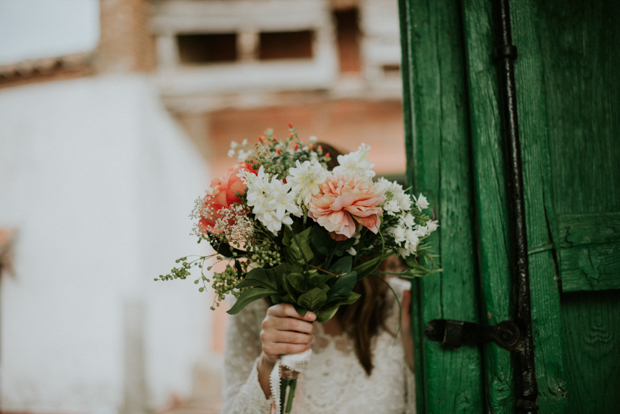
(362, 320)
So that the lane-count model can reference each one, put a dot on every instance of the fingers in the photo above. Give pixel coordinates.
(285, 310)
(273, 351)
(285, 331)
(287, 337)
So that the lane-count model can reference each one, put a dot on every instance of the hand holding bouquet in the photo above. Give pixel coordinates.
(295, 232)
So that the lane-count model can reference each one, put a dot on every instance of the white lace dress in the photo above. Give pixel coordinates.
(333, 381)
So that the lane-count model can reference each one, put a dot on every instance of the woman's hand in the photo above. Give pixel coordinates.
(284, 332)
(406, 335)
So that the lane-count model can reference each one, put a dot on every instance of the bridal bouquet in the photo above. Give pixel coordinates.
(291, 230)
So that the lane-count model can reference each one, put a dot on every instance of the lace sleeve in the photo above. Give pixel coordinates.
(241, 390)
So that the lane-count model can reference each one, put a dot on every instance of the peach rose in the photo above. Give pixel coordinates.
(344, 201)
(223, 193)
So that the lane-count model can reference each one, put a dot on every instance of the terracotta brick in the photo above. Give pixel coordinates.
(343, 123)
(125, 44)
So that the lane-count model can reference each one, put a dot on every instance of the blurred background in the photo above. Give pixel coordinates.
(114, 116)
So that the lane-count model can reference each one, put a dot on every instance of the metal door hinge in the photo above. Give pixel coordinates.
(453, 334)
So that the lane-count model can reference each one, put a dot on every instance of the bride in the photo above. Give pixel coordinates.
(357, 366)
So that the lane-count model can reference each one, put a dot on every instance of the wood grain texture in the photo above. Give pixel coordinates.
(491, 203)
(580, 43)
(592, 351)
(406, 31)
(437, 133)
(540, 217)
(590, 251)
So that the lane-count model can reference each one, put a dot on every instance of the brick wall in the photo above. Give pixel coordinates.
(125, 44)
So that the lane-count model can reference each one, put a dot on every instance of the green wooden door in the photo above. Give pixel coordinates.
(568, 94)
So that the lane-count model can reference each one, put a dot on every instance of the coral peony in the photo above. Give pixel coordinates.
(345, 200)
(222, 193)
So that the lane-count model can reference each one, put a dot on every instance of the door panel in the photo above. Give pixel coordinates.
(568, 97)
(580, 42)
(438, 153)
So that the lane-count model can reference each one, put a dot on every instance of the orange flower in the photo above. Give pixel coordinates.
(223, 193)
(344, 202)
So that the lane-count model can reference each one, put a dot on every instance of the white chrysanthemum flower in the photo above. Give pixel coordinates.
(391, 207)
(421, 203)
(273, 201)
(408, 220)
(306, 179)
(231, 153)
(431, 226)
(412, 240)
(356, 162)
(396, 200)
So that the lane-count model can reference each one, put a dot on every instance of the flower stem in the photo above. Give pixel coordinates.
(325, 271)
(291, 395)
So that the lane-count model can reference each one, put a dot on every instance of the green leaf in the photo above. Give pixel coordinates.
(318, 279)
(277, 274)
(248, 297)
(321, 241)
(264, 277)
(245, 283)
(313, 299)
(294, 284)
(343, 286)
(297, 254)
(300, 310)
(343, 265)
(353, 297)
(343, 246)
(326, 314)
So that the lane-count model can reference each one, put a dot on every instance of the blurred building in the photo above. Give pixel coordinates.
(230, 69)
(102, 152)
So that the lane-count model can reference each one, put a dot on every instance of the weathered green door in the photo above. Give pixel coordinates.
(568, 95)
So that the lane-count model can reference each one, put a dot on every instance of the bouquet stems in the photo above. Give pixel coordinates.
(288, 382)
(292, 384)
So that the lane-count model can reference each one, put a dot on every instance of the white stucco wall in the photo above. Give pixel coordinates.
(99, 182)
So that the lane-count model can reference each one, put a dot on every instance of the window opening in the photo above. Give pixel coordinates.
(348, 40)
(391, 70)
(207, 48)
(285, 45)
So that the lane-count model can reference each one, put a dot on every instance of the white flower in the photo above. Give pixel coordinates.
(431, 226)
(408, 220)
(391, 207)
(244, 143)
(421, 203)
(306, 179)
(396, 200)
(243, 155)
(233, 145)
(411, 241)
(271, 199)
(352, 251)
(313, 139)
(231, 153)
(356, 162)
